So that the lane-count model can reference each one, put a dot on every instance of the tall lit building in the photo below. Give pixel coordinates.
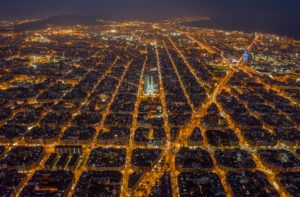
(150, 87)
(246, 56)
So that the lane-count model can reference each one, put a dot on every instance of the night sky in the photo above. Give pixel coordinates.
(153, 8)
(282, 14)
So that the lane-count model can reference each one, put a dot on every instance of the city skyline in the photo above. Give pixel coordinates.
(181, 106)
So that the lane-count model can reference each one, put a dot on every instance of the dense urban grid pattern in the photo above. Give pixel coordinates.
(149, 109)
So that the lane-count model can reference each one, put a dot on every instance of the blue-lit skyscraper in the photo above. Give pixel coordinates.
(246, 56)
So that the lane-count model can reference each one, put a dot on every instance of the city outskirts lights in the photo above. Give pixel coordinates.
(37, 38)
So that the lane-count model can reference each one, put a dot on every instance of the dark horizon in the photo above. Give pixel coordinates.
(254, 10)
(264, 16)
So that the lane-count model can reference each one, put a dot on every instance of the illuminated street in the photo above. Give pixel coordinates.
(134, 108)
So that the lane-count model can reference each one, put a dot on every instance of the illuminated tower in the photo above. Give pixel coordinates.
(150, 88)
(246, 56)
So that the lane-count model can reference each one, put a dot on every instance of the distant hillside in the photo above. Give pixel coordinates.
(64, 20)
